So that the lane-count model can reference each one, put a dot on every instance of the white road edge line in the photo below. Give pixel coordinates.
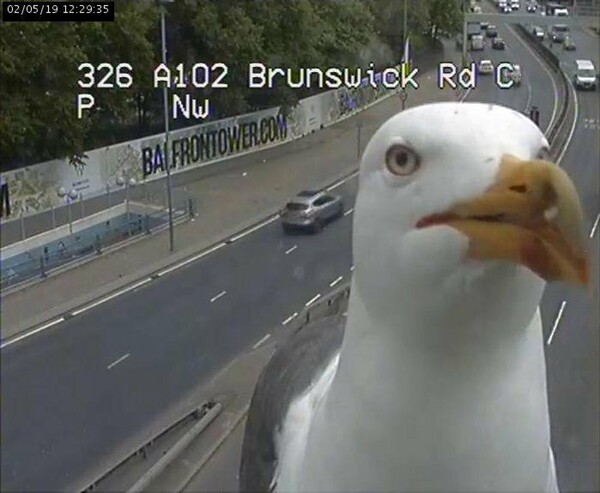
(351, 268)
(573, 126)
(34, 331)
(349, 211)
(312, 300)
(112, 296)
(190, 260)
(595, 226)
(261, 341)
(289, 319)
(116, 362)
(252, 230)
(341, 182)
(220, 295)
(563, 305)
(336, 281)
(554, 88)
(291, 249)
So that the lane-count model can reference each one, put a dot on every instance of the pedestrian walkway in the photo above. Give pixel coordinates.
(239, 194)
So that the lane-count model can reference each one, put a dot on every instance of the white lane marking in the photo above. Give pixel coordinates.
(464, 96)
(312, 300)
(116, 362)
(349, 211)
(563, 305)
(554, 87)
(341, 182)
(112, 296)
(220, 295)
(336, 281)
(529, 97)
(595, 226)
(192, 259)
(261, 341)
(289, 319)
(351, 268)
(291, 249)
(573, 125)
(34, 331)
(255, 228)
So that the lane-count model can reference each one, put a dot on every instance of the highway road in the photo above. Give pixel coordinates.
(74, 393)
(573, 354)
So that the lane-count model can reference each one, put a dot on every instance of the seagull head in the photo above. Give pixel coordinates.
(459, 204)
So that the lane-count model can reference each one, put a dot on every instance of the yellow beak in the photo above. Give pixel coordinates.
(532, 216)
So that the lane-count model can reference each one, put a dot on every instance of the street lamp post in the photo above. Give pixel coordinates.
(163, 33)
(403, 93)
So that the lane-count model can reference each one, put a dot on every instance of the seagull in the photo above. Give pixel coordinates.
(435, 379)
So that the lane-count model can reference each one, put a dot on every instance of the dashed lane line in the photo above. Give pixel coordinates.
(220, 295)
(291, 249)
(290, 318)
(333, 283)
(117, 361)
(559, 315)
(349, 211)
(312, 300)
(261, 341)
(595, 226)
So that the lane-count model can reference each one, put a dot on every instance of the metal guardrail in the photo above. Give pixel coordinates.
(204, 415)
(555, 133)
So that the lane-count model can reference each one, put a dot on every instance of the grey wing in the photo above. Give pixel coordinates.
(290, 371)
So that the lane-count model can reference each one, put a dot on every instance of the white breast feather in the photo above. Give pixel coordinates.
(290, 441)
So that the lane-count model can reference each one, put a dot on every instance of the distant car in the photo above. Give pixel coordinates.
(516, 75)
(558, 33)
(531, 8)
(507, 9)
(484, 25)
(515, 5)
(561, 12)
(586, 76)
(491, 31)
(311, 211)
(538, 32)
(569, 44)
(485, 67)
(498, 44)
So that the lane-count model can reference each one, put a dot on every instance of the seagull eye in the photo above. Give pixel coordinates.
(401, 160)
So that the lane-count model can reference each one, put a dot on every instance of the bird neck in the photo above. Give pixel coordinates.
(412, 402)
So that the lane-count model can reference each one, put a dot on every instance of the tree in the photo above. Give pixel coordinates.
(444, 17)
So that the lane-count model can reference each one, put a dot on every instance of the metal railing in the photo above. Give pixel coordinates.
(137, 219)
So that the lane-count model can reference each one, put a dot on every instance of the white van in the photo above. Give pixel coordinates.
(585, 74)
(477, 42)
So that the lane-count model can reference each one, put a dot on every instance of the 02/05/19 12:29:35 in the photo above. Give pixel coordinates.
(35, 11)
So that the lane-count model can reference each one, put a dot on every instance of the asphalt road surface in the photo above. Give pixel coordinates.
(74, 393)
(573, 354)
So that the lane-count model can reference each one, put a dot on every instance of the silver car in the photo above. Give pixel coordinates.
(311, 210)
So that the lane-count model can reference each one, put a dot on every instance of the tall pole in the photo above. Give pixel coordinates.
(166, 108)
(405, 20)
(403, 94)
